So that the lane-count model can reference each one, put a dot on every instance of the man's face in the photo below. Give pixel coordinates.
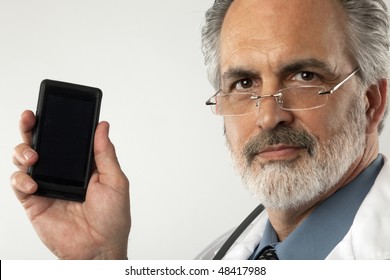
(291, 158)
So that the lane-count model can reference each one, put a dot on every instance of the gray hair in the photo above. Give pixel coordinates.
(367, 32)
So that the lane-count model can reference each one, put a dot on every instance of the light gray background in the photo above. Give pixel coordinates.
(145, 56)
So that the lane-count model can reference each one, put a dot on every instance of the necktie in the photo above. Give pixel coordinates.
(268, 253)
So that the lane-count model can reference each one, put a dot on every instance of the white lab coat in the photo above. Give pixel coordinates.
(368, 237)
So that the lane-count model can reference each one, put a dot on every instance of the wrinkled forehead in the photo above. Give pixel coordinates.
(279, 27)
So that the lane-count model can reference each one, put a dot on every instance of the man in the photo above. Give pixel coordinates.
(302, 88)
(303, 92)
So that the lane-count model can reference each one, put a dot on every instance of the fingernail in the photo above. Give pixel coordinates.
(29, 186)
(28, 154)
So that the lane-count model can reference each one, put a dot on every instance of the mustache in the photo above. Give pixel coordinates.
(279, 135)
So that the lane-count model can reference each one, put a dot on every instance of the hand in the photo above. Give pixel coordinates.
(96, 229)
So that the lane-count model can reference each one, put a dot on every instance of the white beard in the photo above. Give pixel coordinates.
(290, 184)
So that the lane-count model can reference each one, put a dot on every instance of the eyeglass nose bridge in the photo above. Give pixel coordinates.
(277, 97)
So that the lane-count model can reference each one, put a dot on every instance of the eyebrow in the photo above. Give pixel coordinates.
(234, 73)
(303, 64)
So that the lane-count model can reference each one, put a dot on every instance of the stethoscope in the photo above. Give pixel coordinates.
(238, 231)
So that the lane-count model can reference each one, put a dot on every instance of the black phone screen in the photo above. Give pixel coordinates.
(65, 137)
(66, 120)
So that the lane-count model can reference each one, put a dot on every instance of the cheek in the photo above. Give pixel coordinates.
(321, 123)
(238, 131)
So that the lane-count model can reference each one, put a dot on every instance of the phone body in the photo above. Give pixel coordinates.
(66, 118)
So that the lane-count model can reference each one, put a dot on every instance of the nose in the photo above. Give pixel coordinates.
(270, 115)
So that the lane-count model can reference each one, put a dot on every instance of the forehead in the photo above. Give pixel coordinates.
(273, 32)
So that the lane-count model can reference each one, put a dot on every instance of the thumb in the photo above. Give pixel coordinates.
(105, 156)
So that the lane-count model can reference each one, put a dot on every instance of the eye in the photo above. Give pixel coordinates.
(243, 84)
(305, 76)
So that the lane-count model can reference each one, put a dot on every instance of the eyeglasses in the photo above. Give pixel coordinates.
(290, 99)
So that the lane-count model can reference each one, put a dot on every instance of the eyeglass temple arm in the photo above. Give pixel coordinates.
(339, 84)
(209, 102)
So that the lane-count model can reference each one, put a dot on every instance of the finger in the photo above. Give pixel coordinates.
(105, 157)
(26, 125)
(23, 185)
(24, 157)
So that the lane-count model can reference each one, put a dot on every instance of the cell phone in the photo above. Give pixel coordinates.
(66, 118)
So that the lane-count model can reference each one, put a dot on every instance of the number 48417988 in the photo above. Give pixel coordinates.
(244, 270)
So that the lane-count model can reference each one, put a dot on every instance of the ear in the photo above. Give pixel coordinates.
(376, 97)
